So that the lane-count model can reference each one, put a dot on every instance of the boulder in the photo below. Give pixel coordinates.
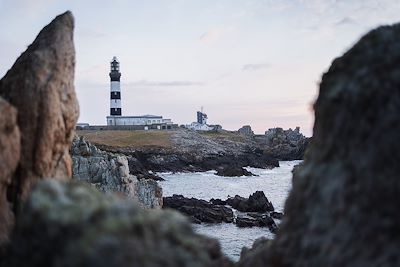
(256, 202)
(233, 171)
(109, 172)
(246, 130)
(286, 144)
(9, 158)
(40, 86)
(261, 220)
(199, 210)
(343, 208)
(72, 224)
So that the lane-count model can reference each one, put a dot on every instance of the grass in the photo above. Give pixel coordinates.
(234, 136)
(129, 138)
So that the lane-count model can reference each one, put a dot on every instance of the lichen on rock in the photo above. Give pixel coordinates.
(72, 224)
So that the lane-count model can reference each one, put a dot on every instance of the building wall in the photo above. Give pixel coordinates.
(111, 120)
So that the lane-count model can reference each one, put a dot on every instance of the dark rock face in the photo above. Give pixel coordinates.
(343, 209)
(254, 256)
(233, 171)
(40, 86)
(286, 144)
(246, 130)
(109, 172)
(9, 158)
(72, 224)
(199, 210)
(260, 220)
(256, 202)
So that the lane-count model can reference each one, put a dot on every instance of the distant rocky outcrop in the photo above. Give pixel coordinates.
(286, 144)
(256, 202)
(110, 173)
(246, 130)
(259, 211)
(72, 224)
(39, 87)
(199, 210)
(343, 208)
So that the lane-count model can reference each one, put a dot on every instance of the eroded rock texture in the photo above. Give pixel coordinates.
(72, 224)
(343, 210)
(40, 86)
(9, 158)
(109, 172)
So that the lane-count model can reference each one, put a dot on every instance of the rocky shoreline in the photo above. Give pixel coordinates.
(228, 153)
(256, 210)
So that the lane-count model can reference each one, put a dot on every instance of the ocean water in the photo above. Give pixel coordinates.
(276, 184)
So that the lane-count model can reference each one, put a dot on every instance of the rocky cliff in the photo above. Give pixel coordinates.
(37, 124)
(110, 173)
(343, 209)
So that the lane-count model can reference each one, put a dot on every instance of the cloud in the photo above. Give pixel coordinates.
(345, 22)
(164, 83)
(254, 67)
(211, 36)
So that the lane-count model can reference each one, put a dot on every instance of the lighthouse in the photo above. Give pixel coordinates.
(115, 98)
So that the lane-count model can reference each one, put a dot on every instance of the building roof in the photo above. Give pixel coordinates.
(138, 117)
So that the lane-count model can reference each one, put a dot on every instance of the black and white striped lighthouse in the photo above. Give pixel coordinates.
(115, 101)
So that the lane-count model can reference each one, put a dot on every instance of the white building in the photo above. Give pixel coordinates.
(200, 124)
(137, 120)
(116, 118)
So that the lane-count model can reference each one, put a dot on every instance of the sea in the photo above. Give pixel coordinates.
(276, 184)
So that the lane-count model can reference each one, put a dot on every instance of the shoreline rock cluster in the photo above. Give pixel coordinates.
(256, 210)
(109, 173)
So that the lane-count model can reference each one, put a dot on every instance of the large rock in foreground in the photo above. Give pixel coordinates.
(72, 224)
(109, 172)
(9, 158)
(343, 209)
(40, 85)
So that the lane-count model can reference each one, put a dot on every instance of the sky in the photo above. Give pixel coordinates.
(246, 62)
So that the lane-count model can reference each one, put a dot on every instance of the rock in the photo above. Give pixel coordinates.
(9, 158)
(286, 144)
(110, 173)
(246, 222)
(276, 215)
(40, 86)
(218, 201)
(343, 208)
(256, 202)
(246, 130)
(229, 171)
(261, 220)
(72, 224)
(254, 255)
(200, 210)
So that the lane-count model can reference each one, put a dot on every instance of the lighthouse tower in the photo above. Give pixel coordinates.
(115, 100)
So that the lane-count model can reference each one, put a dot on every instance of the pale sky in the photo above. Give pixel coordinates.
(255, 62)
